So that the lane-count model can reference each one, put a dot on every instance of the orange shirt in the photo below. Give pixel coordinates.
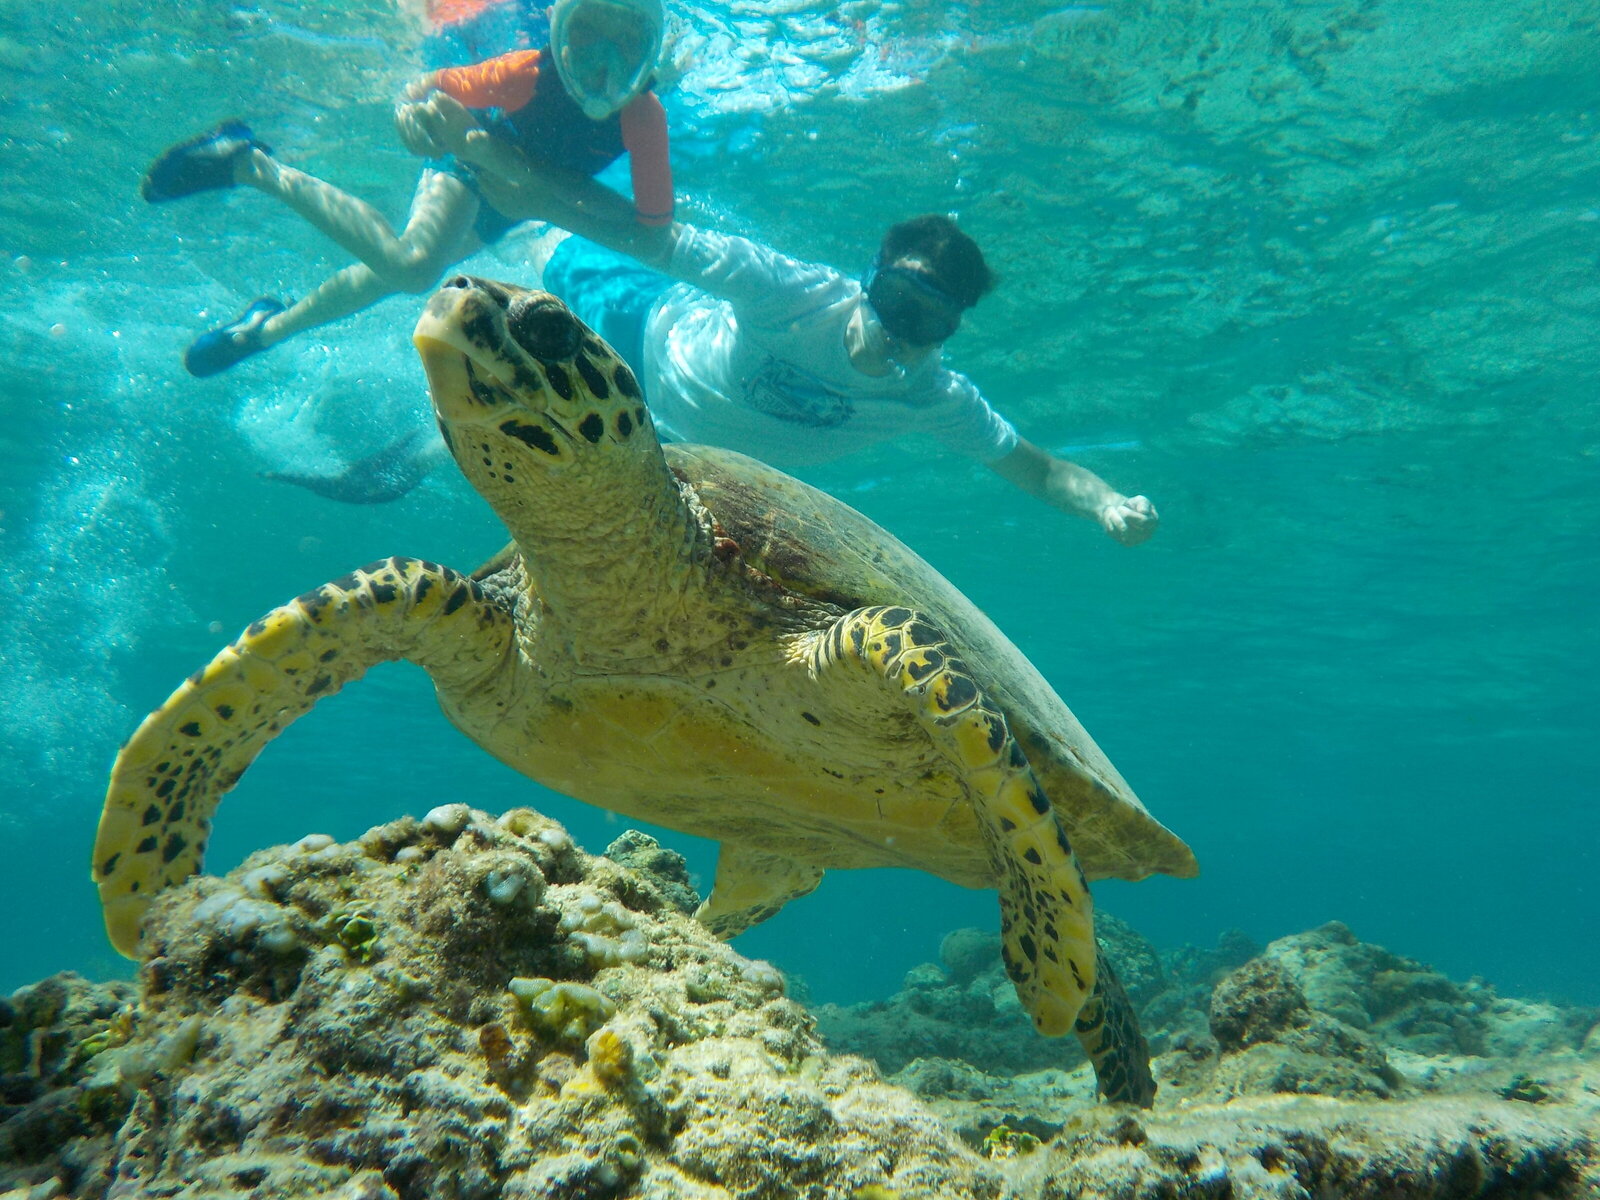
(509, 81)
(506, 82)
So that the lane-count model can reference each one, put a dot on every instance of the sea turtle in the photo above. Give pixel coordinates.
(687, 636)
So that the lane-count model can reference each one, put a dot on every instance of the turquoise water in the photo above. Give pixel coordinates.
(1322, 280)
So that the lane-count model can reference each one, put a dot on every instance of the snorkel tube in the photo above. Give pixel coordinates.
(605, 50)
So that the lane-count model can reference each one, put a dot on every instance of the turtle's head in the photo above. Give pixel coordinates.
(526, 394)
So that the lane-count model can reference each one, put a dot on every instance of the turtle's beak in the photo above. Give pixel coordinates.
(514, 372)
(488, 346)
(461, 339)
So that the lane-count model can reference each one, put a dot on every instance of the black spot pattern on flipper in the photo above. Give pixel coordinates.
(1013, 969)
(833, 641)
(592, 427)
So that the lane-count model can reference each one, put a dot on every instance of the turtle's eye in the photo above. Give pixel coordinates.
(544, 327)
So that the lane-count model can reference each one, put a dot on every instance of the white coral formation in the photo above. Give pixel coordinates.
(605, 931)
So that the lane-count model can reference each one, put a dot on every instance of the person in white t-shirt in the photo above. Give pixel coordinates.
(791, 362)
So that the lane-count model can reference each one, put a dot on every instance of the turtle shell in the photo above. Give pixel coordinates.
(817, 546)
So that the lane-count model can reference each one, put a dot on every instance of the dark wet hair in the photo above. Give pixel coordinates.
(953, 258)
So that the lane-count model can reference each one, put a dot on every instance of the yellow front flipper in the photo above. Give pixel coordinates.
(1046, 913)
(173, 772)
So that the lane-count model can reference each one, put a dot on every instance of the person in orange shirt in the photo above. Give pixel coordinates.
(577, 103)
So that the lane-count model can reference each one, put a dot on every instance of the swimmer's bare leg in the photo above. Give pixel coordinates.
(442, 211)
(438, 233)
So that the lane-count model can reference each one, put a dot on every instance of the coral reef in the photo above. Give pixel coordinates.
(1401, 1074)
(966, 1009)
(667, 869)
(471, 1007)
(1269, 1040)
(460, 1006)
(56, 1039)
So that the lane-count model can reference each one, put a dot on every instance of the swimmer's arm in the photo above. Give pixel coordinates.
(1077, 490)
(568, 199)
(507, 83)
(644, 133)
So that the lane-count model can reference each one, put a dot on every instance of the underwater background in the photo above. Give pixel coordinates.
(1321, 279)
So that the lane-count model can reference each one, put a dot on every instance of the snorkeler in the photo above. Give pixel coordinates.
(602, 52)
(791, 362)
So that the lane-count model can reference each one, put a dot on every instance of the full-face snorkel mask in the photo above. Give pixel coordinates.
(910, 306)
(605, 50)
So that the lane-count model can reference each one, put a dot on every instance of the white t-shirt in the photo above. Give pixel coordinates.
(750, 354)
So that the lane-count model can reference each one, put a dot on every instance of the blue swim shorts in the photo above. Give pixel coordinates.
(610, 292)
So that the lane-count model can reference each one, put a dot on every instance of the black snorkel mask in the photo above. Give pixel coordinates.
(909, 305)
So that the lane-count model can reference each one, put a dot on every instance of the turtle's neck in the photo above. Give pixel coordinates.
(614, 549)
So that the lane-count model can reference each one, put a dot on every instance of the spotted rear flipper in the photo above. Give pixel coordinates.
(1046, 913)
(169, 778)
(1109, 1032)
